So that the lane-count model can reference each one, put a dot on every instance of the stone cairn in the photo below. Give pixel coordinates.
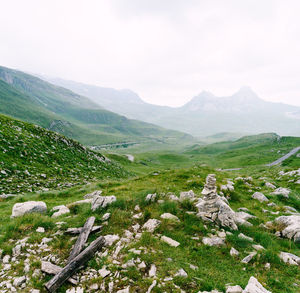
(213, 208)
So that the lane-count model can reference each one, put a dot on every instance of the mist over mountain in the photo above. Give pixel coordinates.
(204, 115)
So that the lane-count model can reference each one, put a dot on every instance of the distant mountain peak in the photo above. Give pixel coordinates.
(246, 94)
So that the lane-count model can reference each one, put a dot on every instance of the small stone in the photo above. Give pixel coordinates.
(103, 272)
(105, 217)
(151, 225)
(181, 273)
(150, 197)
(152, 271)
(169, 216)
(19, 281)
(40, 230)
(243, 236)
(254, 286)
(248, 258)
(234, 289)
(234, 252)
(213, 241)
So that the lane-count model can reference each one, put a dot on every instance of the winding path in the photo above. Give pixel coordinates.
(280, 160)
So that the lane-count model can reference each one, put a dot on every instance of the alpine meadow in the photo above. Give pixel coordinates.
(134, 155)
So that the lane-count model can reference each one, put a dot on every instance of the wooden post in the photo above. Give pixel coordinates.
(74, 265)
(82, 238)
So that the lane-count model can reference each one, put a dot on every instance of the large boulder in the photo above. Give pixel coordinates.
(213, 208)
(255, 287)
(289, 226)
(102, 201)
(28, 207)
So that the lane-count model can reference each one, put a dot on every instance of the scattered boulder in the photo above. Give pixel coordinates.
(102, 201)
(290, 258)
(213, 241)
(105, 217)
(28, 207)
(270, 185)
(169, 241)
(151, 225)
(260, 197)
(169, 216)
(282, 191)
(150, 197)
(289, 226)
(212, 208)
(19, 281)
(241, 218)
(173, 197)
(187, 195)
(60, 210)
(255, 287)
(152, 271)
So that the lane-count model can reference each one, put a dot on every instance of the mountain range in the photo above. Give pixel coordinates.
(31, 99)
(244, 112)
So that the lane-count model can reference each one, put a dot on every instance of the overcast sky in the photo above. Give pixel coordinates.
(165, 50)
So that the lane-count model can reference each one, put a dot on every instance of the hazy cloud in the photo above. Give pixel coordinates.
(166, 50)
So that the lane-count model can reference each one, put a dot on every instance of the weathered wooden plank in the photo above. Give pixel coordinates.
(82, 238)
(74, 231)
(74, 265)
(51, 269)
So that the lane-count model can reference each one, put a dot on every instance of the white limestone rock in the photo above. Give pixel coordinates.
(150, 197)
(102, 201)
(260, 197)
(60, 210)
(20, 209)
(151, 225)
(290, 226)
(187, 195)
(290, 258)
(234, 252)
(254, 286)
(181, 273)
(234, 289)
(282, 191)
(169, 216)
(169, 241)
(111, 239)
(91, 195)
(213, 241)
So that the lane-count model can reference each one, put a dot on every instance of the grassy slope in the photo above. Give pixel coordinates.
(37, 100)
(27, 151)
(215, 265)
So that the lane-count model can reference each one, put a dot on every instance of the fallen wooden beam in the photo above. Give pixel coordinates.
(74, 231)
(74, 265)
(51, 269)
(82, 238)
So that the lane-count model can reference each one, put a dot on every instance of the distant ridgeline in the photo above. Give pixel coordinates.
(31, 99)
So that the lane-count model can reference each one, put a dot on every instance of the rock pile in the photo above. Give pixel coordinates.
(213, 208)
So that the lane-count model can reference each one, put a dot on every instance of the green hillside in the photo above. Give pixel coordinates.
(29, 98)
(32, 158)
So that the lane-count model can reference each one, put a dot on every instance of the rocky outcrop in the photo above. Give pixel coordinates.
(213, 208)
(28, 207)
(289, 227)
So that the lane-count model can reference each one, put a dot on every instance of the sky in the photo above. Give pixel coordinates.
(165, 50)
